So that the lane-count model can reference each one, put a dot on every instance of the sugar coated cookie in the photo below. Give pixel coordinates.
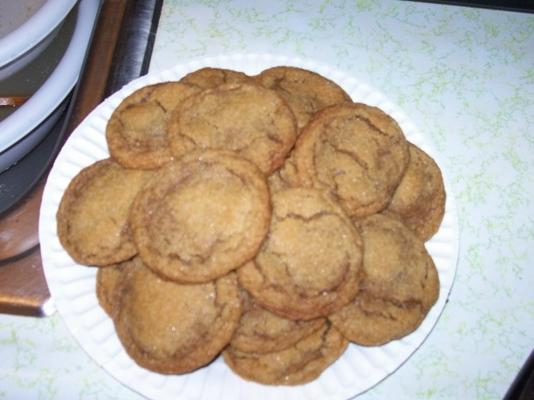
(246, 118)
(174, 328)
(400, 285)
(310, 263)
(202, 216)
(92, 219)
(357, 152)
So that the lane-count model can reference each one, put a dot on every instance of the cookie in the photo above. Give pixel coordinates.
(261, 331)
(305, 91)
(357, 152)
(137, 130)
(400, 285)
(245, 118)
(298, 364)
(286, 177)
(202, 216)
(310, 264)
(107, 279)
(419, 200)
(173, 328)
(209, 78)
(92, 219)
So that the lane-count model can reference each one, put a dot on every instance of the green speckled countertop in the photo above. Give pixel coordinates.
(466, 78)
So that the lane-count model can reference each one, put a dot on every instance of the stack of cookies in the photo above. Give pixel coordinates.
(268, 218)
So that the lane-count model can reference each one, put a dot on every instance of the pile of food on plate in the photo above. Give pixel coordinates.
(266, 218)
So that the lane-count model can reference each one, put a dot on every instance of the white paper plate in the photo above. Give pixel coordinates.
(73, 286)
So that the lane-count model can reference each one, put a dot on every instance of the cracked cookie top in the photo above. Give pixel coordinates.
(399, 287)
(173, 328)
(245, 118)
(305, 91)
(92, 219)
(137, 130)
(357, 152)
(261, 331)
(298, 364)
(419, 200)
(208, 78)
(310, 263)
(285, 177)
(201, 216)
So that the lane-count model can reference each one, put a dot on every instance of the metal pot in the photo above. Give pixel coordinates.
(29, 123)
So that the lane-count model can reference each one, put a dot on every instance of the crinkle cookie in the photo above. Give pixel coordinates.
(137, 130)
(419, 200)
(357, 152)
(92, 219)
(107, 279)
(261, 331)
(286, 177)
(202, 216)
(400, 285)
(209, 78)
(310, 264)
(298, 364)
(245, 118)
(174, 328)
(305, 91)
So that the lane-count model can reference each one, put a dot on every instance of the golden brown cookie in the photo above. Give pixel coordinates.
(246, 118)
(261, 331)
(209, 78)
(305, 91)
(137, 130)
(400, 285)
(202, 216)
(174, 328)
(107, 279)
(420, 197)
(285, 177)
(298, 364)
(310, 263)
(92, 219)
(357, 152)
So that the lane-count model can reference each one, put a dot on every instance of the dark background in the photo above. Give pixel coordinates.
(510, 5)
